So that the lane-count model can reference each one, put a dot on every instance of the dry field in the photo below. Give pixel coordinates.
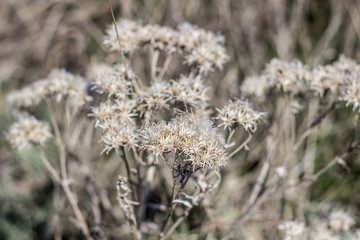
(155, 119)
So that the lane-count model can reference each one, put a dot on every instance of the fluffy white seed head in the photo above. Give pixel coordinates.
(128, 36)
(201, 48)
(152, 98)
(28, 130)
(340, 220)
(118, 134)
(289, 76)
(191, 37)
(345, 64)
(195, 139)
(116, 82)
(162, 38)
(59, 84)
(323, 232)
(292, 229)
(323, 78)
(122, 111)
(350, 93)
(207, 56)
(190, 91)
(63, 84)
(240, 113)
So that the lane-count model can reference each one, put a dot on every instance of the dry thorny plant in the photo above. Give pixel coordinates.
(163, 127)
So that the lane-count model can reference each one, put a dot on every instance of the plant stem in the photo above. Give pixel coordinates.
(243, 145)
(154, 59)
(173, 205)
(128, 172)
(70, 196)
(59, 141)
(176, 224)
(150, 173)
(230, 136)
(165, 66)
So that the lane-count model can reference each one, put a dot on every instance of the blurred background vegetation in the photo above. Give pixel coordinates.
(37, 35)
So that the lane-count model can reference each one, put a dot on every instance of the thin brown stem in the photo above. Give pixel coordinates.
(170, 209)
(70, 196)
(128, 172)
(150, 173)
(165, 66)
(59, 140)
(263, 173)
(154, 54)
(172, 204)
(49, 166)
(309, 130)
(176, 224)
(231, 134)
(116, 29)
(76, 209)
(243, 145)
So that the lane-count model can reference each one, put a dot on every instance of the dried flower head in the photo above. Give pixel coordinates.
(351, 91)
(116, 82)
(345, 65)
(340, 220)
(59, 84)
(121, 110)
(117, 135)
(292, 230)
(322, 232)
(128, 36)
(28, 130)
(289, 76)
(116, 119)
(207, 56)
(192, 139)
(191, 37)
(203, 49)
(162, 38)
(152, 98)
(333, 77)
(323, 78)
(26, 97)
(189, 91)
(63, 84)
(239, 113)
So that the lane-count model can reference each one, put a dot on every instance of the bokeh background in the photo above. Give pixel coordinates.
(38, 35)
